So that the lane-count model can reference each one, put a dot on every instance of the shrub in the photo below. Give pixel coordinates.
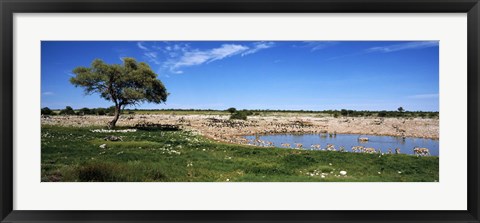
(382, 114)
(84, 111)
(232, 110)
(46, 111)
(241, 115)
(67, 111)
(101, 111)
(111, 110)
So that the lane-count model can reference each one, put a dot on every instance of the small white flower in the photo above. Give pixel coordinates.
(323, 176)
(228, 180)
(343, 172)
(379, 173)
(399, 172)
(330, 164)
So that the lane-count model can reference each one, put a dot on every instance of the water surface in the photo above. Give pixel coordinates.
(348, 140)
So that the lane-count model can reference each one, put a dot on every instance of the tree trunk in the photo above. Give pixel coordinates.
(112, 124)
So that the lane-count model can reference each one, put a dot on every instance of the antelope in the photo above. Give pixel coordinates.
(421, 151)
(357, 149)
(331, 147)
(363, 139)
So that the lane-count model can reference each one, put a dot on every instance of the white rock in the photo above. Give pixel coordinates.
(343, 172)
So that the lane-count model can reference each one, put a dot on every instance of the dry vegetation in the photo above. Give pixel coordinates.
(220, 128)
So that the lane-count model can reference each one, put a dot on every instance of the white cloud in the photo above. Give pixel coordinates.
(141, 46)
(423, 96)
(198, 57)
(176, 55)
(258, 46)
(48, 93)
(403, 46)
(152, 56)
(148, 53)
(318, 45)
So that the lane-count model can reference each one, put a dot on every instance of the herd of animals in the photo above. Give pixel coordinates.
(330, 147)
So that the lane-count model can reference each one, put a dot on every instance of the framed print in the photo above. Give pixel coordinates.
(237, 111)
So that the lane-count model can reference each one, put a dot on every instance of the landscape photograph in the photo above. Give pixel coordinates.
(240, 111)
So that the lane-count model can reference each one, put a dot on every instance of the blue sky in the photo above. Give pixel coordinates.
(289, 75)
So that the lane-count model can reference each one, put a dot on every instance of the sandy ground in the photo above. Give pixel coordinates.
(219, 128)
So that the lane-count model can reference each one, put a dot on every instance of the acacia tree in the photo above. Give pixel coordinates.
(130, 83)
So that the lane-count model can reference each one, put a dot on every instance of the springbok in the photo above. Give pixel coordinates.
(286, 145)
(363, 139)
(421, 151)
(356, 149)
(331, 147)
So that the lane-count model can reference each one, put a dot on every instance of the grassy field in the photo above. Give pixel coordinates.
(73, 154)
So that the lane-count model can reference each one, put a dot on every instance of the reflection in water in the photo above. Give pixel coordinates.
(383, 143)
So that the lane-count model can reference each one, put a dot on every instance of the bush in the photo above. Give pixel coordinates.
(241, 115)
(84, 111)
(46, 111)
(101, 111)
(382, 114)
(111, 110)
(232, 110)
(67, 111)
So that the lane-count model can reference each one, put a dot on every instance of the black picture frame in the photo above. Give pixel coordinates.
(9, 7)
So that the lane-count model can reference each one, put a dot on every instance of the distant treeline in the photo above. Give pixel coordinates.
(249, 112)
(83, 111)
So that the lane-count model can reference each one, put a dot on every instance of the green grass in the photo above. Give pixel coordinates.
(73, 154)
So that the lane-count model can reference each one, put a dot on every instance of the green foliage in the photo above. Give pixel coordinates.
(100, 111)
(382, 114)
(84, 111)
(46, 111)
(67, 111)
(124, 84)
(241, 115)
(110, 110)
(232, 110)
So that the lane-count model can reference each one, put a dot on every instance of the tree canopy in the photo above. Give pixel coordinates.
(130, 83)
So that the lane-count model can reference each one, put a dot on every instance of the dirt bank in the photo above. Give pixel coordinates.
(218, 127)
